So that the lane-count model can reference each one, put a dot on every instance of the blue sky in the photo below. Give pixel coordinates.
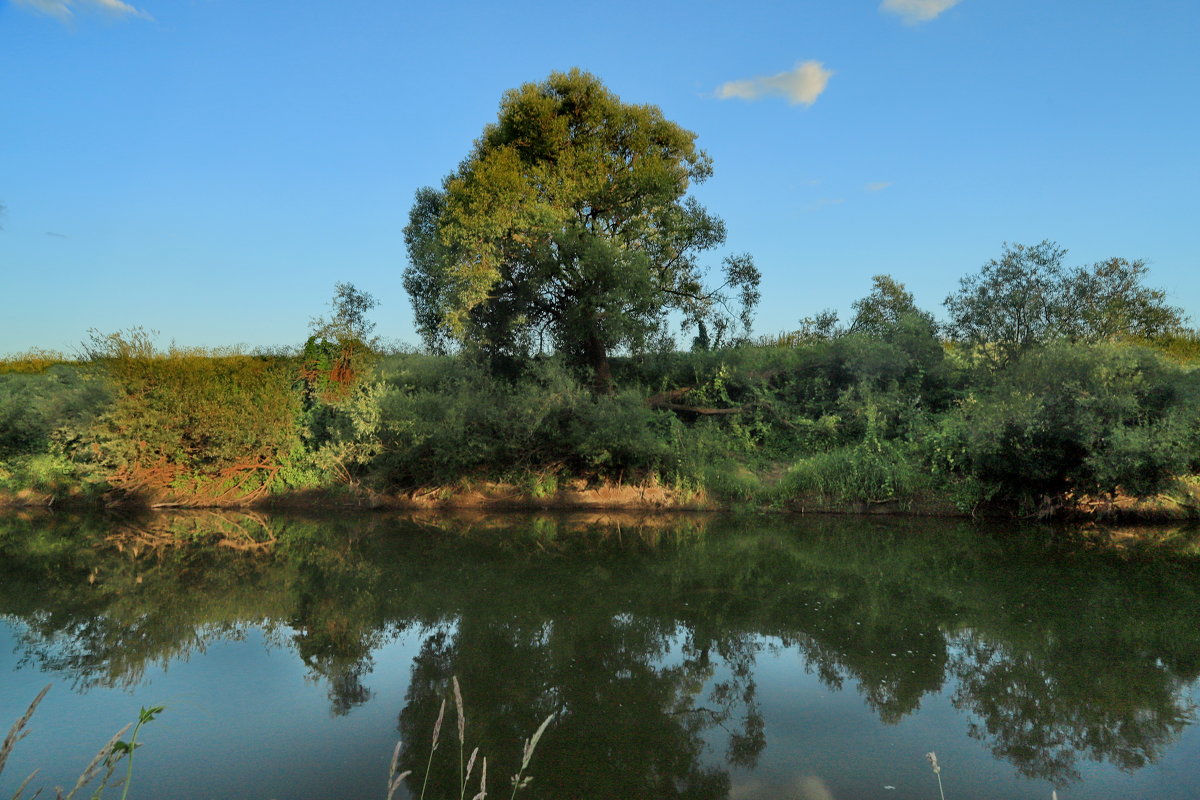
(209, 168)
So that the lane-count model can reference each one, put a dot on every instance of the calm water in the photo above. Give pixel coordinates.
(809, 658)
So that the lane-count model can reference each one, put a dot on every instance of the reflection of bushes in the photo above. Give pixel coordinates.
(1056, 653)
(1042, 716)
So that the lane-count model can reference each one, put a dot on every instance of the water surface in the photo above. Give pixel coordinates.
(755, 657)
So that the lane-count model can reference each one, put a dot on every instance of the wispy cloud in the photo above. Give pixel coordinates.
(914, 11)
(877, 186)
(823, 202)
(57, 235)
(802, 85)
(65, 9)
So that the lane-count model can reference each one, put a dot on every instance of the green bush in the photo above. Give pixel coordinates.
(41, 411)
(441, 423)
(191, 413)
(48, 473)
(1070, 420)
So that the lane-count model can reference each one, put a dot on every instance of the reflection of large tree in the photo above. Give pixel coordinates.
(627, 723)
(850, 619)
(643, 642)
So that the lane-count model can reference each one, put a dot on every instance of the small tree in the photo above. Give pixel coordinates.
(341, 347)
(568, 225)
(341, 409)
(1108, 301)
(1014, 303)
(886, 308)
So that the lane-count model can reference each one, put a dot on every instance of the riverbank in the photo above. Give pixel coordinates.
(1181, 503)
(853, 424)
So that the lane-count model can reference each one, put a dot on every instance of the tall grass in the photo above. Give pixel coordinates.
(869, 472)
(104, 765)
(519, 780)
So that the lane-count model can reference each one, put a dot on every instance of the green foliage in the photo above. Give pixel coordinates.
(1027, 298)
(871, 472)
(569, 221)
(47, 410)
(190, 412)
(47, 473)
(34, 360)
(1073, 419)
(344, 437)
(446, 420)
(878, 414)
(340, 352)
(1182, 346)
(886, 309)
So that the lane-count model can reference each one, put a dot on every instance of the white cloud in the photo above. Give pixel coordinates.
(117, 7)
(914, 11)
(65, 9)
(803, 84)
(878, 186)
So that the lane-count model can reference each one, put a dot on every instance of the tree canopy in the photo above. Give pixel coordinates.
(568, 226)
(887, 307)
(1028, 298)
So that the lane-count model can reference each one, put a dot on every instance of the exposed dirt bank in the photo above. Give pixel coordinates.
(648, 498)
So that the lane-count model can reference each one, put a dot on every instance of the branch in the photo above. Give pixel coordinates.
(669, 401)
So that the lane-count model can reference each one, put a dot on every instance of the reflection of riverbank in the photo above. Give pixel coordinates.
(1057, 655)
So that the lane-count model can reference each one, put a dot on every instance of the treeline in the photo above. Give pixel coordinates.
(545, 274)
(890, 408)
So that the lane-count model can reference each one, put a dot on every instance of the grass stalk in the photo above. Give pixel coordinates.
(395, 778)
(531, 744)
(437, 732)
(144, 715)
(93, 768)
(18, 732)
(937, 770)
(462, 732)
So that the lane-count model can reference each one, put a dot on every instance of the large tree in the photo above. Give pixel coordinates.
(568, 225)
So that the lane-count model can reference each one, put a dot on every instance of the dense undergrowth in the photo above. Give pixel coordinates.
(893, 417)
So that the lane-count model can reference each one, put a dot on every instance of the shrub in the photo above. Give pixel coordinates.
(47, 410)
(190, 414)
(1073, 419)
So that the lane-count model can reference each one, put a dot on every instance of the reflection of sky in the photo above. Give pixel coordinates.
(825, 744)
(243, 720)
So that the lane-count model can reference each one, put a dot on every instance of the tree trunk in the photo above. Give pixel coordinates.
(597, 358)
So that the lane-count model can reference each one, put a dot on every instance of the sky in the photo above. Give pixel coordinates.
(208, 169)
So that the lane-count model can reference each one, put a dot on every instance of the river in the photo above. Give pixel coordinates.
(684, 657)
